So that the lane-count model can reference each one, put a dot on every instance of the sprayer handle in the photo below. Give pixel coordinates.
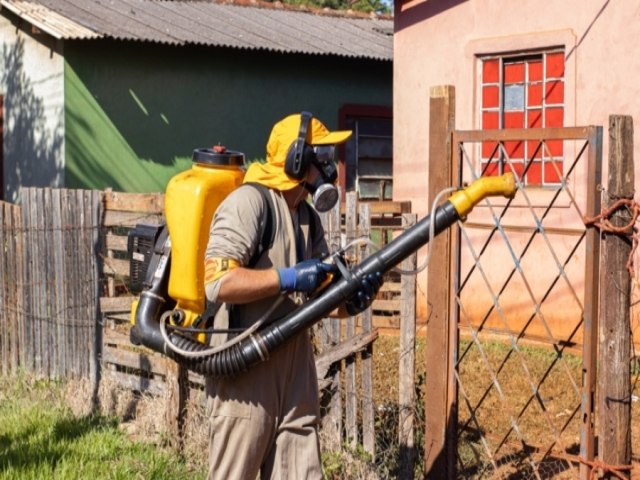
(363, 298)
(305, 276)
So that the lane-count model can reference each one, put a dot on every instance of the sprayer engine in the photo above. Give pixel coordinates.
(141, 246)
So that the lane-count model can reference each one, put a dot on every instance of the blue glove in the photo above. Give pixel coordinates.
(363, 298)
(305, 276)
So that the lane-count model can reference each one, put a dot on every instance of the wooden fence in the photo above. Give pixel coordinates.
(66, 304)
(49, 273)
(343, 346)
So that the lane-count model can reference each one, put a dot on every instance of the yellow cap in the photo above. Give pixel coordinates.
(283, 135)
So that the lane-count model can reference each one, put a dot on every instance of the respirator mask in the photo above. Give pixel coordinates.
(323, 191)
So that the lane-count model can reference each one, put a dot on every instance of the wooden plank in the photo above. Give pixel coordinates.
(116, 242)
(407, 365)
(118, 318)
(614, 386)
(439, 451)
(176, 402)
(114, 218)
(50, 251)
(113, 337)
(368, 410)
(196, 378)
(18, 288)
(5, 326)
(135, 360)
(590, 310)
(116, 267)
(380, 321)
(35, 214)
(72, 291)
(387, 305)
(377, 208)
(386, 223)
(61, 298)
(42, 261)
(392, 287)
(350, 386)
(81, 291)
(66, 286)
(151, 386)
(80, 272)
(116, 304)
(134, 202)
(96, 330)
(332, 421)
(28, 282)
(346, 348)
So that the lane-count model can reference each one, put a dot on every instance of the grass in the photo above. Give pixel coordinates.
(41, 438)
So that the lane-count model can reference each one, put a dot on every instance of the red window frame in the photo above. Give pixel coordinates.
(523, 91)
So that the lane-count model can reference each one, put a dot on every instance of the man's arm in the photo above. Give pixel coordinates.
(244, 285)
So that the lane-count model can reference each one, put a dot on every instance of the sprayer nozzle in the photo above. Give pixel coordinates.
(464, 200)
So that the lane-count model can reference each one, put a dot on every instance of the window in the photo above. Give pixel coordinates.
(368, 167)
(523, 92)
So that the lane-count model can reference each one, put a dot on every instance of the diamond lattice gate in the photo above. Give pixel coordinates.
(525, 303)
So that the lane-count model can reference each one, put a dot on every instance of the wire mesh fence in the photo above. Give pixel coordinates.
(527, 272)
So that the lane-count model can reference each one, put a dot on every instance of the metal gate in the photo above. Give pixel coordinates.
(525, 302)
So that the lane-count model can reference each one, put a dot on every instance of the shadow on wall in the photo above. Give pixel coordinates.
(32, 148)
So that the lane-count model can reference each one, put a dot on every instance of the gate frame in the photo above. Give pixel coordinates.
(443, 338)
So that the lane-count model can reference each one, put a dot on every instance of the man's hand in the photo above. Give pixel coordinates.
(363, 298)
(305, 276)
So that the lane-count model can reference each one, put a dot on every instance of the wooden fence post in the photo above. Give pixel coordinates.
(332, 421)
(407, 366)
(439, 415)
(614, 385)
(350, 401)
(177, 394)
(368, 415)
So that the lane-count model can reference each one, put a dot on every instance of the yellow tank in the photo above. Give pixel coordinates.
(191, 198)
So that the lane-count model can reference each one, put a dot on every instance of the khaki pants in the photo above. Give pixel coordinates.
(264, 422)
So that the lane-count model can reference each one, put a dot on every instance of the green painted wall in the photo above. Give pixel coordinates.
(135, 111)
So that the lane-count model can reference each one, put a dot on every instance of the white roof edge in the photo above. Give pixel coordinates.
(48, 21)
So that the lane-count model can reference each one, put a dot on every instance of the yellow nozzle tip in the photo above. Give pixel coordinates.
(510, 186)
(464, 200)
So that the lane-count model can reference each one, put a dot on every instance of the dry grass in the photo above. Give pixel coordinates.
(143, 416)
(542, 419)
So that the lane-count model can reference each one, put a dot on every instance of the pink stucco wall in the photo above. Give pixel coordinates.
(437, 42)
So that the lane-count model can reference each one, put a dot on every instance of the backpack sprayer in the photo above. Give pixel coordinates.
(167, 267)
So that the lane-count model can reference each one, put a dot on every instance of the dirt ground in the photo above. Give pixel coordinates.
(532, 417)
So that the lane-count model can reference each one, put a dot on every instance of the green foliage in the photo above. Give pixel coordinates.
(367, 6)
(41, 438)
(348, 463)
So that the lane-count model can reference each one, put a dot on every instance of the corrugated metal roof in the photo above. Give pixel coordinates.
(262, 27)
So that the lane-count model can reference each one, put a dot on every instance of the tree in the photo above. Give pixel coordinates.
(368, 6)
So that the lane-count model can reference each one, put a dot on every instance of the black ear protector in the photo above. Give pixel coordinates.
(300, 153)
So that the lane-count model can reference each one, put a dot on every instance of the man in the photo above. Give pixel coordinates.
(265, 421)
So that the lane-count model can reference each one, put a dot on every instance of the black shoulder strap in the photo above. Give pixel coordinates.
(314, 219)
(267, 232)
